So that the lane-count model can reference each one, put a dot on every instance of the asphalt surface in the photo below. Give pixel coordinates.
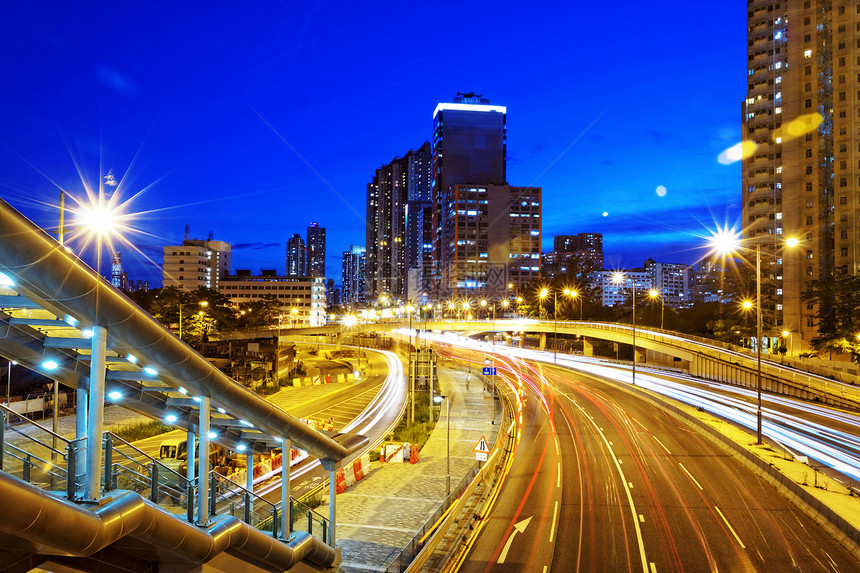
(602, 481)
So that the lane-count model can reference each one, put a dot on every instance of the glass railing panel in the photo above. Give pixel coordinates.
(31, 452)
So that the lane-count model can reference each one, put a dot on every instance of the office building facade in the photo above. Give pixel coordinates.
(470, 150)
(196, 264)
(801, 166)
(496, 237)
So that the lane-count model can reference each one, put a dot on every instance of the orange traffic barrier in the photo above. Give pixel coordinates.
(340, 482)
(356, 469)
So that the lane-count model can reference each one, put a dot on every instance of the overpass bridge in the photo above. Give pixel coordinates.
(705, 358)
(59, 497)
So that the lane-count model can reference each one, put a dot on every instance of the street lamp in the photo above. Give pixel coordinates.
(727, 243)
(201, 303)
(574, 294)
(654, 293)
(788, 335)
(438, 400)
(618, 278)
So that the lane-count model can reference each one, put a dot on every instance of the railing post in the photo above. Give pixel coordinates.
(325, 530)
(290, 518)
(2, 436)
(275, 522)
(108, 461)
(71, 472)
(153, 482)
(247, 507)
(310, 522)
(25, 471)
(212, 494)
(189, 494)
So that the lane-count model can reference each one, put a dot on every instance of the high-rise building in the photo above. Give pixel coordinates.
(332, 294)
(118, 277)
(353, 275)
(617, 292)
(419, 221)
(297, 257)
(674, 282)
(801, 146)
(403, 182)
(196, 264)
(469, 148)
(316, 250)
(574, 254)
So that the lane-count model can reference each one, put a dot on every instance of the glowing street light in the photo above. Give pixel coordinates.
(728, 243)
(654, 293)
(544, 292)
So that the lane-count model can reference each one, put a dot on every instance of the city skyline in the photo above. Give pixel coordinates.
(252, 125)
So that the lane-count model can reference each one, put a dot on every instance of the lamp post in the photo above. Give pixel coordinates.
(619, 278)
(790, 337)
(554, 326)
(9, 382)
(574, 294)
(544, 292)
(654, 293)
(727, 243)
(438, 400)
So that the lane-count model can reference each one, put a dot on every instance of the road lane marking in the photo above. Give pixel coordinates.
(518, 528)
(632, 505)
(653, 567)
(641, 518)
(691, 476)
(732, 529)
(661, 445)
(554, 521)
(558, 480)
(557, 449)
(630, 483)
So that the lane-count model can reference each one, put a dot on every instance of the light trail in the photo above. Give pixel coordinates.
(833, 448)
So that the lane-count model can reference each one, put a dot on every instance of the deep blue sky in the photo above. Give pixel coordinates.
(252, 121)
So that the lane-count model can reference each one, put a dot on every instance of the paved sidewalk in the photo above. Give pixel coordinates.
(379, 515)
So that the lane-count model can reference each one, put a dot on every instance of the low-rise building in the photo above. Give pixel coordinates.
(305, 295)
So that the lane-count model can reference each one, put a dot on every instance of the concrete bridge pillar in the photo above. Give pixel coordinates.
(542, 341)
(522, 340)
(587, 347)
(339, 339)
(639, 355)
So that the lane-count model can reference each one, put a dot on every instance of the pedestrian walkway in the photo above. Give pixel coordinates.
(379, 515)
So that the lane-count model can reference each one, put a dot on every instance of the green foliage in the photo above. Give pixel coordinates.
(141, 431)
(838, 314)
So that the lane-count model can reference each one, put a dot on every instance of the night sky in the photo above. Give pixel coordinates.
(252, 120)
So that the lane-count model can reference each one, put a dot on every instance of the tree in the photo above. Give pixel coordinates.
(838, 314)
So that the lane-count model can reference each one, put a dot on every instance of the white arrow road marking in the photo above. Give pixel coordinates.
(518, 528)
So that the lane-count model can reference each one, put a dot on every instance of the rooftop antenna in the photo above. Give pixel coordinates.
(187, 232)
(211, 236)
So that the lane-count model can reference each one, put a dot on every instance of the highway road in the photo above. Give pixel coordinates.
(602, 481)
